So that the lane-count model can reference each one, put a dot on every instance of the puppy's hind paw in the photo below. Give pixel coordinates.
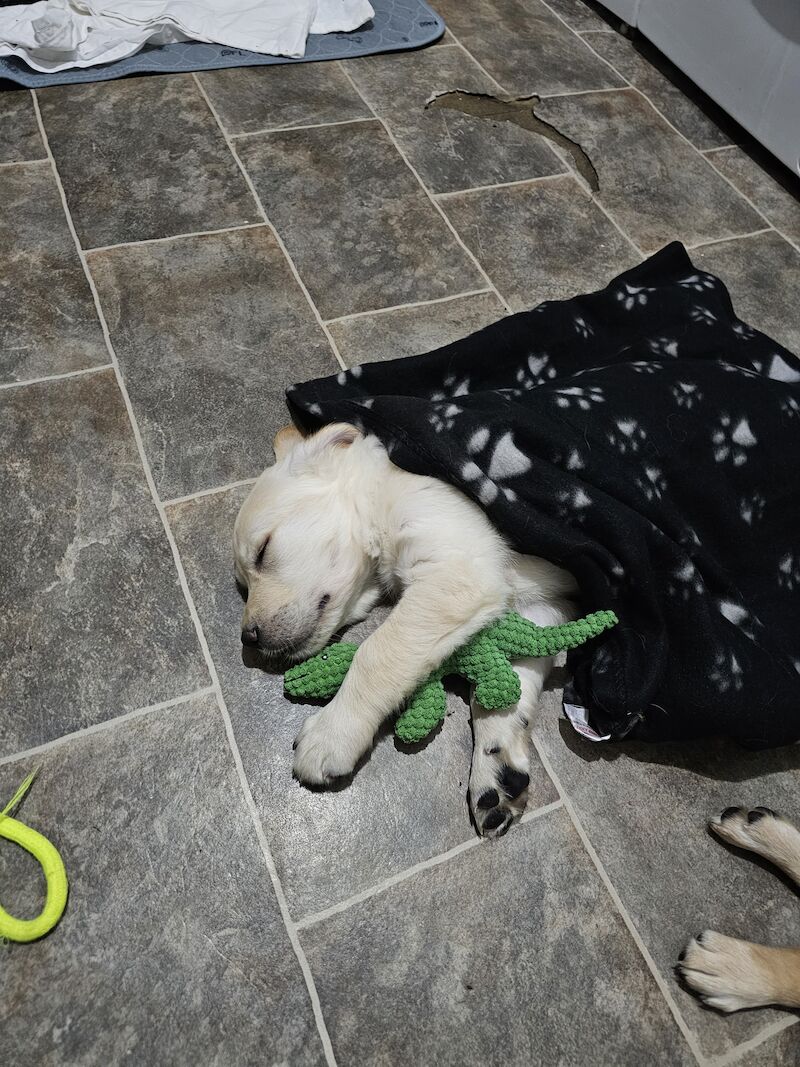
(498, 794)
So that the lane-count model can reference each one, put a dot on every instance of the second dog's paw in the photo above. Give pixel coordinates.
(326, 748)
(759, 830)
(726, 973)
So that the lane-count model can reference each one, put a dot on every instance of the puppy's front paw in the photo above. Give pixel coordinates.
(728, 974)
(328, 747)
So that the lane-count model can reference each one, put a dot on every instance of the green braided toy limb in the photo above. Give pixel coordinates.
(484, 661)
(52, 866)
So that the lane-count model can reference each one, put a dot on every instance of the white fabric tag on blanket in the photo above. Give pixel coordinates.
(579, 718)
(53, 35)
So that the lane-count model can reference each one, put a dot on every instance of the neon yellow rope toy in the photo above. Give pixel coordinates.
(54, 873)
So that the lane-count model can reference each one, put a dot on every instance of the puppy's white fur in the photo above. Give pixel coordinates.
(345, 525)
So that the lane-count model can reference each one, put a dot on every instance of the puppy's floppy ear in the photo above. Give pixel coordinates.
(285, 440)
(336, 435)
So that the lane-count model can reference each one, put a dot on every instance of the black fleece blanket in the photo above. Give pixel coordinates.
(647, 440)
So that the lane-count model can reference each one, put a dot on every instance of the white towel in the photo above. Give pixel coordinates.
(57, 34)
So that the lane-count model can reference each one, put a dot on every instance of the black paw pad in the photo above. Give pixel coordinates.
(512, 782)
(494, 819)
(759, 813)
(489, 799)
(728, 813)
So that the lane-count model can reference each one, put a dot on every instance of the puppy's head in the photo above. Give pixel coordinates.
(298, 545)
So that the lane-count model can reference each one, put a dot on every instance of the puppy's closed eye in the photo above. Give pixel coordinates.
(259, 560)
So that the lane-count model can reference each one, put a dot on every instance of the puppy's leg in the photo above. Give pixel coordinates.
(436, 615)
(731, 974)
(498, 782)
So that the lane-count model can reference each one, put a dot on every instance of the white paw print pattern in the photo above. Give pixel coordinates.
(686, 394)
(444, 416)
(506, 461)
(582, 327)
(537, 371)
(573, 503)
(781, 371)
(735, 613)
(701, 314)
(727, 671)
(355, 372)
(743, 331)
(653, 484)
(731, 442)
(628, 437)
(789, 571)
(699, 282)
(453, 389)
(752, 508)
(685, 581)
(641, 366)
(663, 346)
(631, 296)
(577, 396)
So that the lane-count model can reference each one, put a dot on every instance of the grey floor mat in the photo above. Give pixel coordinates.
(397, 25)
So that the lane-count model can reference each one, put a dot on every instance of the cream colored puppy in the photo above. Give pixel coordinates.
(326, 532)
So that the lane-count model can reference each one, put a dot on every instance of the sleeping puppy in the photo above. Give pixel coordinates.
(333, 527)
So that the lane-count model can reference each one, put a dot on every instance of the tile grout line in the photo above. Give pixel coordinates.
(719, 148)
(410, 304)
(107, 724)
(581, 181)
(630, 85)
(22, 162)
(451, 193)
(207, 492)
(556, 149)
(301, 126)
(733, 237)
(586, 92)
(725, 178)
(174, 237)
(564, 22)
(477, 62)
(579, 178)
(201, 638)
(689, 1036)
(291, 928)
(735, 1054)
(57, 377)
(429, 195)
(249, 182)
(314, 918)
(703, 154)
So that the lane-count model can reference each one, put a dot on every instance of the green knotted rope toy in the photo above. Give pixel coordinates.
(50, 861)
(484, 661)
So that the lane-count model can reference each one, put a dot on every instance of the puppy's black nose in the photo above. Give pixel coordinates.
(250, 635)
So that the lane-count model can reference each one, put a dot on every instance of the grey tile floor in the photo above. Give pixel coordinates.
(177, 250)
